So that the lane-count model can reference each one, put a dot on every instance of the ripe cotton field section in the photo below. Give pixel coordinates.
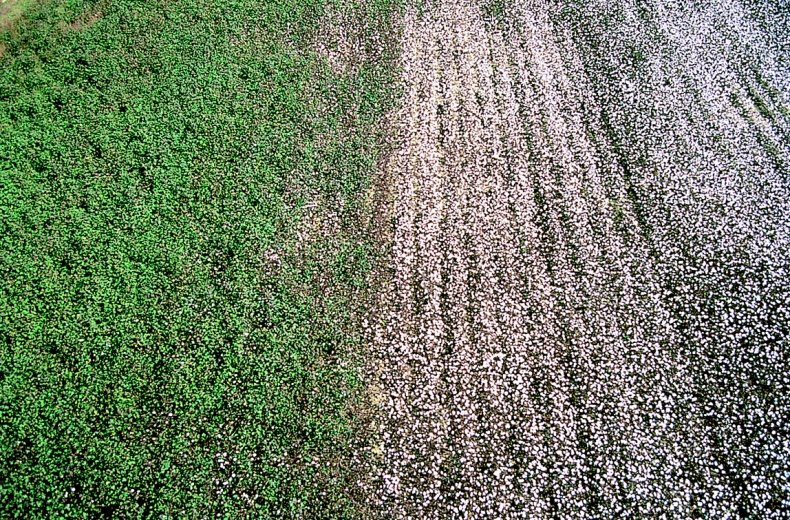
(587, 307)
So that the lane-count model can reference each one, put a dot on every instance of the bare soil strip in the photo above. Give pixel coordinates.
(10, 11)
(589, 305)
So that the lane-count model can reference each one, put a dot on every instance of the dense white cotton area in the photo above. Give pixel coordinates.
(590, 298)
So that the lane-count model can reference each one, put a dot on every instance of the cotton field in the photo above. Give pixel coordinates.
(587, 308)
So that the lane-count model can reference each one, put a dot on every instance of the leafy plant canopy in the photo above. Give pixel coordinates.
(174, 329)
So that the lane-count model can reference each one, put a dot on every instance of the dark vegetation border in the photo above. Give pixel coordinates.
(183, 208)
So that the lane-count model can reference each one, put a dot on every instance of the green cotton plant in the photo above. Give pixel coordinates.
(168, 346)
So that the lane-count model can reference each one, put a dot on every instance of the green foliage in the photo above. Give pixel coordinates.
(168, 346)
(498, 12)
